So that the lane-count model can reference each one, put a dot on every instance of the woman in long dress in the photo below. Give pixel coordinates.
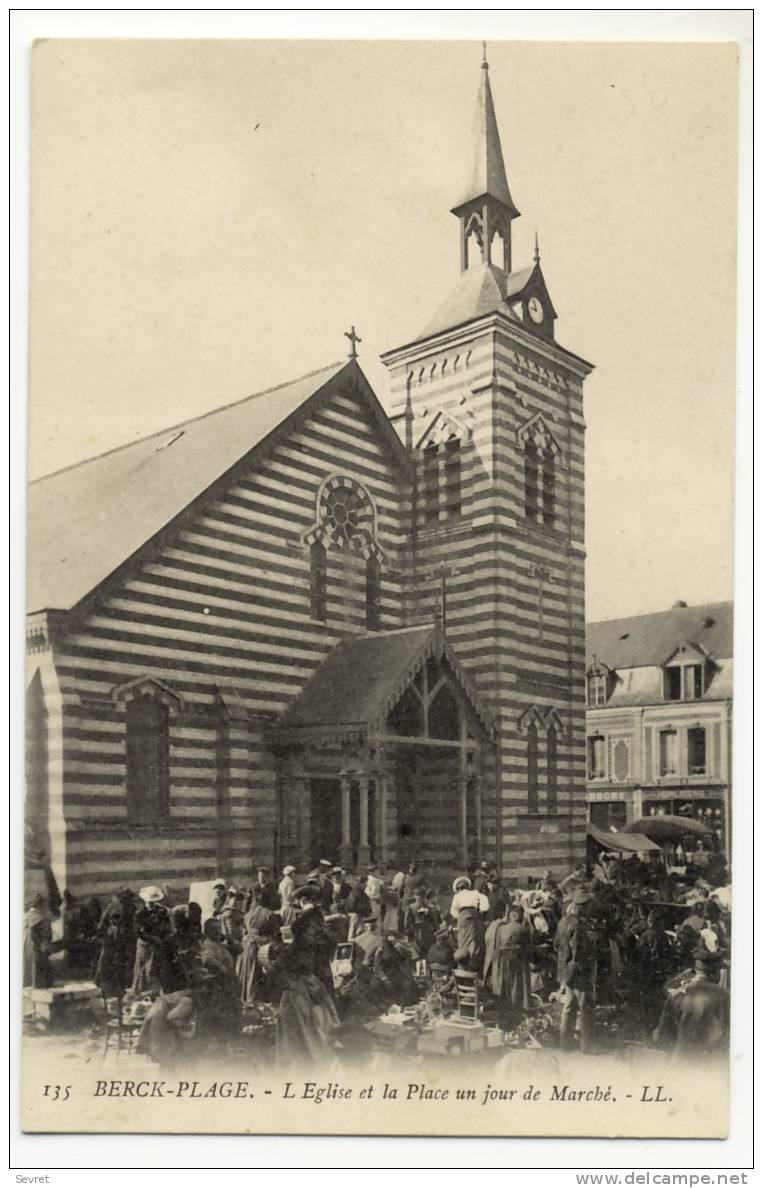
(469, 908)
(259, 928)
(507, 965)
(38, 944)
(307, 1015)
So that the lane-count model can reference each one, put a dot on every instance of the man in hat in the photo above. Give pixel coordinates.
(286, 887)
(152, 929)
(440, 952)
(575, 970)
(268, 888)
(358, 906)
(695, 1019)
(324, 882)
(481, 877)
(340, 891)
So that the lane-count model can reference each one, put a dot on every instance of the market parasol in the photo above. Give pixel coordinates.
(625, 842)
(667, 826)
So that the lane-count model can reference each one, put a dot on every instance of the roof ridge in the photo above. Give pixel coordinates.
(189, 421)
(695, 607)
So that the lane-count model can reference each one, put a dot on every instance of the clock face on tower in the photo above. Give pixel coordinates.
(535, 310)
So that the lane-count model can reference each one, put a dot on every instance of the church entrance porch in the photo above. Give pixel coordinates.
(406, 782)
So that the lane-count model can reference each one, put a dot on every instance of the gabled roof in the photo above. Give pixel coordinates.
(488, 174)
(649, 640)
(86, 521)
(363, 679)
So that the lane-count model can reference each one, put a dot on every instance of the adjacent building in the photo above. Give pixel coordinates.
(659, 719)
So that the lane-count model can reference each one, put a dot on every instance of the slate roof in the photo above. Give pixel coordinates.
(648, 640)
(85, 521)
(364, 678)
(479, 291)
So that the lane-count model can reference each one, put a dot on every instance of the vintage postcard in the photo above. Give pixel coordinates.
(380, 587)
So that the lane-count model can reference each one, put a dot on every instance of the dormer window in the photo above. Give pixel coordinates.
(597, 689)
(684, 682)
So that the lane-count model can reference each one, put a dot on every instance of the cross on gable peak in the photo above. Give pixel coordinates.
(354, 340)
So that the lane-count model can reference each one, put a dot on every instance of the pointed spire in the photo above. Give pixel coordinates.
(536, 253)
(488, 175)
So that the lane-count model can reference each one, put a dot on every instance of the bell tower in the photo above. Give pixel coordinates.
(486, 210)
(490, 407)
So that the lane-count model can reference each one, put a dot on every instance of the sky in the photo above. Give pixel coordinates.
(209, 217)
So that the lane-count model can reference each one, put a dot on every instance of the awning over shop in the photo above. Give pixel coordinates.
(629, 843)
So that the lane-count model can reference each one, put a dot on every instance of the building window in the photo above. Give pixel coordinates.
(549, 489)
(452, 478)
(673, 684)
(668, 753)
(373, 594)
(531, 480)
(683, 682)
(532, 768)
(318, 582)
(551, 768)
(148, 739)
(621, 758)
(696, 750)
(597, 757)
(431, 484)
(692, 682)
(597, 689)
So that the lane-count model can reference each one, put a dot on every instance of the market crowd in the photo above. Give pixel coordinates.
(327, 952)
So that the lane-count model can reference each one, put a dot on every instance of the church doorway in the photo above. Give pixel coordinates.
(326, 833)
(325, 820)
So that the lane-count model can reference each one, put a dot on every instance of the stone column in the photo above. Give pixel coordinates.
(463, 792)
(364, 852)
(477, 794)
(345, 850)
(382, 847)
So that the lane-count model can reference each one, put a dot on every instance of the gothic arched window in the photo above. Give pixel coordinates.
(531, 480)
(549, 488)
(148, 741)
(532, 768)
(373, 594)
(498, 252)
(452, 477)
(551, 769)
(431, 484)
(318, 582)
(473, 241)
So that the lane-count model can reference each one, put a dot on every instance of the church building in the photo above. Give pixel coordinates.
(306, 626)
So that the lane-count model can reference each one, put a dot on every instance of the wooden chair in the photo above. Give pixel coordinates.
(467, 995)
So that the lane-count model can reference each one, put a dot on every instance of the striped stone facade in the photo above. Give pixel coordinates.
(217, 610)
(514, 588)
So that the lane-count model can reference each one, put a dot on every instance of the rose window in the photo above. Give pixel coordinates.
(344, 513)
